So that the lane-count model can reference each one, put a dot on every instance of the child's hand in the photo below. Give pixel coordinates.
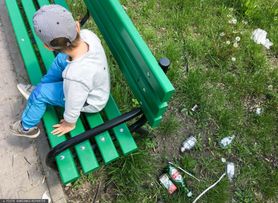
(62, 128)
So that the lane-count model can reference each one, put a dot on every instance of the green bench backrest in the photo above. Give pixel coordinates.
(146, 79)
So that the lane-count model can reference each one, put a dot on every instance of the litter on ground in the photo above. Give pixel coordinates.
(188, 144)
(259, 36)
(226, 141)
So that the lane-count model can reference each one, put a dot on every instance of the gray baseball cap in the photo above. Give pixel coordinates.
(54, 21)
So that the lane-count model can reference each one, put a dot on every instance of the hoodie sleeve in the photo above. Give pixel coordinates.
(76, 94)
(54, 73)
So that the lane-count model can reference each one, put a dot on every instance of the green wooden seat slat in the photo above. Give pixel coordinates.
(43, 2)
(133, 55)
(65, 161)
(47, 56)
(24, 43)
(104, 142)
(84, 150)
(121, 132)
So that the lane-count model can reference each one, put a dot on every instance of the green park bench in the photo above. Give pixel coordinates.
(143, 73)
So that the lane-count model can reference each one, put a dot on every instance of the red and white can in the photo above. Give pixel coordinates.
(167, 183)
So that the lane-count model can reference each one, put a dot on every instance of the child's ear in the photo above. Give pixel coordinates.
(77, 26)
(48, 47)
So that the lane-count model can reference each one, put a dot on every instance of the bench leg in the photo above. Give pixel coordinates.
(142, 131)
(164, 63)
(137, 126)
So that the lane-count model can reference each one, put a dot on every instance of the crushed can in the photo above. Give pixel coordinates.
(178, 179)
(167, 183)
(230, 170)
(226, 141)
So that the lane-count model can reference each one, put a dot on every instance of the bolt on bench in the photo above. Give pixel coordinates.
(143, 73)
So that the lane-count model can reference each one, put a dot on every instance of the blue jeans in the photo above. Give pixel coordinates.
(48, 91)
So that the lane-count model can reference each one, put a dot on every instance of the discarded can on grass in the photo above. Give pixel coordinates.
(178, 179)
(259, 111)
(230, 170)
(167, 183)
(226, 141)
(189, 143)
(194, 108)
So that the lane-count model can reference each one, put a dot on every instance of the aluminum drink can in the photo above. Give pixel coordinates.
(167, 183)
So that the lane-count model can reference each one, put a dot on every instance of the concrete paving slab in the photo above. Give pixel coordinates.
(23, 171)
(15, 175)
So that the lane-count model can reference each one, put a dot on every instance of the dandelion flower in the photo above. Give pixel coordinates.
(233, 21)
(270, 87)
(233, 59)
(228, 42)
(235, 45)
(222, 34)
(244, 22)
(237, 38)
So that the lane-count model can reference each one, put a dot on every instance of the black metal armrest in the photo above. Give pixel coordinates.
(50, 158)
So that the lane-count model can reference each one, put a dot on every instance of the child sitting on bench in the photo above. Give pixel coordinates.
(78, 79)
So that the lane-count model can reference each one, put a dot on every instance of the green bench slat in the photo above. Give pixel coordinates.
(121, 132)
(65, 162)
(62, 3)
(47, 56)
(84, 150)
(66, 166)
(24, 43)
(104, 142)
(152, 118)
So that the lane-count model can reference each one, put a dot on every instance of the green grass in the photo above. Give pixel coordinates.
(227, 93)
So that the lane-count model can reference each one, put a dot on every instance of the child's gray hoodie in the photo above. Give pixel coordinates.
(86, 80)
